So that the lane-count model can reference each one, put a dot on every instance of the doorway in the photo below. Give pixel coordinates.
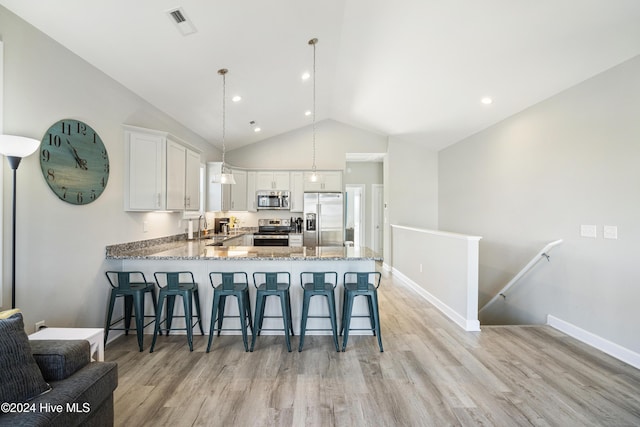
(355, 222)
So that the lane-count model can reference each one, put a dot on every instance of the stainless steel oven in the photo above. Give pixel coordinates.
(272, 232)
(270, 239)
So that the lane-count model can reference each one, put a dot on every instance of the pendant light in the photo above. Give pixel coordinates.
(224, 177)
(314, 175)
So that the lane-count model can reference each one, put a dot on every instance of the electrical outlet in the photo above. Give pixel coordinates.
(40, 325)
(145, 226)
(420, 268)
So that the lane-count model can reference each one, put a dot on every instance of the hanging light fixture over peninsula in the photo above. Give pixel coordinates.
(224, 177)
(314, 176)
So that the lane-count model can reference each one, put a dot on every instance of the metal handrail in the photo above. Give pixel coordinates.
(544, 253)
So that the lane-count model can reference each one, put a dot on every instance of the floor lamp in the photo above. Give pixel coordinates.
(15, 148)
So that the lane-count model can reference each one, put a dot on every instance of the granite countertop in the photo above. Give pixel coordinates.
(181, 249)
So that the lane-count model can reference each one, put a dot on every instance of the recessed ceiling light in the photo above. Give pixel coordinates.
(256, 129)
(306, 75)
(307, 113)
(486, 100)
(236, 98)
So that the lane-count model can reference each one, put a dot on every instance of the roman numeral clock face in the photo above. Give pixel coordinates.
(74, 162)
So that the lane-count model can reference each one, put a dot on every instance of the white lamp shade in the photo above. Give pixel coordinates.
(18, 146)
(223, 178)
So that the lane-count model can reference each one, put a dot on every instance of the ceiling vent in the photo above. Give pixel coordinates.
(180, 19)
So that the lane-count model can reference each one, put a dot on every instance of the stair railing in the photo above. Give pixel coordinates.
(544, 253)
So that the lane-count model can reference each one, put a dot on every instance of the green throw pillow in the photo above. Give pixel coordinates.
(20, 377)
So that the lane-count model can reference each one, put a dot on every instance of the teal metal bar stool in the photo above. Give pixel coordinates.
(273, 284)
(322, 283)
(361, 284)
(234, 284)
(172, 285)
(132, 286)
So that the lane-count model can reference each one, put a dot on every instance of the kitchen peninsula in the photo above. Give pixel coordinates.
(201, 258)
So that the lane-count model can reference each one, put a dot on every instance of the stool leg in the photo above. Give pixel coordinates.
(285, 320)
(289, 312)
(376, 318)
(196, 300)
(223, 300)
(305, 313)
(138, 300)
(154, 300)
(248, 314)
(156, 328)
(243, 320)
(186, 302)
(258, 318)
(171, 302)
(347, 318)
(214, 314)
(107, 325)
(344, 305)
(371, 317)
(128, 307)
(332, 315)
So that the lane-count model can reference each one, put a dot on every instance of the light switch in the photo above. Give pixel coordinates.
(588, 231)
(610, 232)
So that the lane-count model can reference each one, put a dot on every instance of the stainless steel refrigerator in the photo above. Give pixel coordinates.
(323, 219)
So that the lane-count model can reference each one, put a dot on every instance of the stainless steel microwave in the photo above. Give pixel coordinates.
(272, 200)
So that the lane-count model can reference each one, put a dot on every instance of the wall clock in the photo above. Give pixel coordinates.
(74, 161)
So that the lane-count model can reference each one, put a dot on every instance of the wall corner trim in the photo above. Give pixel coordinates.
(469, 325)
(595, 341)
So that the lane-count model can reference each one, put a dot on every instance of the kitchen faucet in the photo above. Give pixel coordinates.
(204, 218)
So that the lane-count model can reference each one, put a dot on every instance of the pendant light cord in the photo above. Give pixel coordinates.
(223, 72)
(313, 42)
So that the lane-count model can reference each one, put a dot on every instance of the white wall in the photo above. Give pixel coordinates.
(411, 188)
(536, 177)
(61, 247)
(293, 150)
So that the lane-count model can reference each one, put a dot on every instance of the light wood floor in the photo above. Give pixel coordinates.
(431, 373)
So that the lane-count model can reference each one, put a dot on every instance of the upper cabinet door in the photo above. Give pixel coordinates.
(192, 181)
(272, 180)
(160, 173)
(328, 181)
(176, 170)
(145, 177)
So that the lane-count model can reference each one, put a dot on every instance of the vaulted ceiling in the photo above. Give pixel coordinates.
(415, 69)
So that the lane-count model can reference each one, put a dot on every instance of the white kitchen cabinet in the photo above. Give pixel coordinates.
(238, 191)
(296, 198)
(192, 181)
(295, 240)
(328, 181)
(156, 171)
(251, 192)
(272, 180)
(226, 197)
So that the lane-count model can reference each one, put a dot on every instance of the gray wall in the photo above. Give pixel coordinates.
(536, 177)
(61, 247)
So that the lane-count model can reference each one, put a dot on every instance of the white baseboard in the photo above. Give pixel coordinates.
(606, 346)
(468, 325)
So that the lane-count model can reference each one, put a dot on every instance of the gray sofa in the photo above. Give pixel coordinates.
(75, 391)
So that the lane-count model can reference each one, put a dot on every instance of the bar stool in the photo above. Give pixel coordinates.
(133, 286)
(171, 286)
(275, 284)
(322, 283)
(230, 284)
(366, 284)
